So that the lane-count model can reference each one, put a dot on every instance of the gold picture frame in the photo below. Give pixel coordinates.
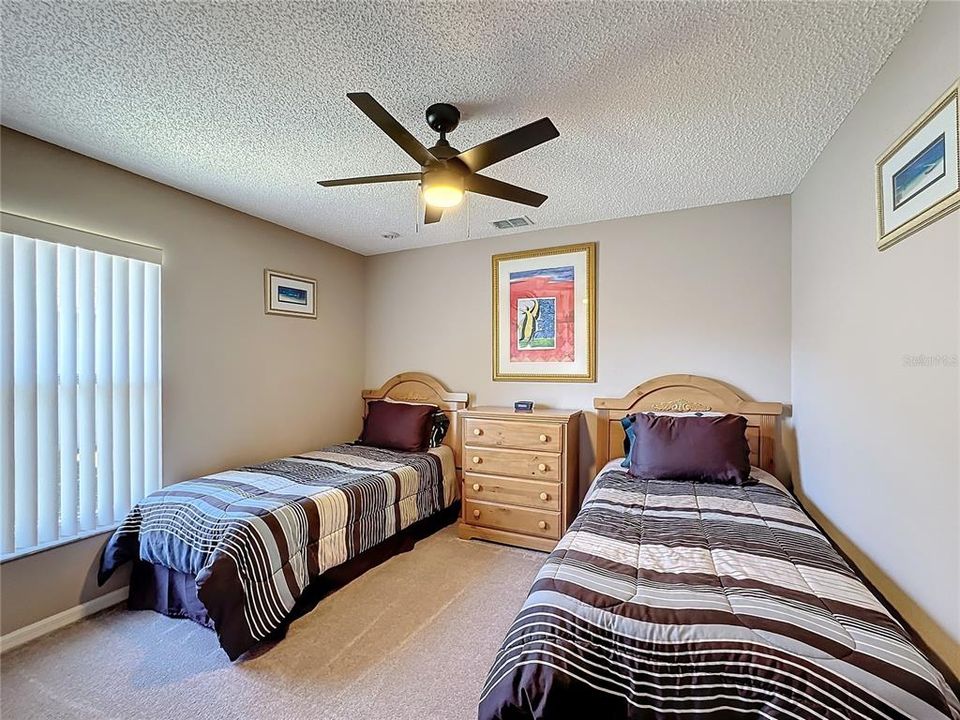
(925, 160)
(544, 314)
(289, 295)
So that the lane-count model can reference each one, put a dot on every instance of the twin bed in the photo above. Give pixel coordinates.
(244, 551)
(678, 599)
(666, 598)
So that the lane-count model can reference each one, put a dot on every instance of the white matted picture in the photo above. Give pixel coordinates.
(918, 177)
(544, 318)
(286, 294)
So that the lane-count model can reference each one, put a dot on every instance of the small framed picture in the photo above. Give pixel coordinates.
(918, 177)
(286, 294)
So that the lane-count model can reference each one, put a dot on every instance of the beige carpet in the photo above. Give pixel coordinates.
(412, 638)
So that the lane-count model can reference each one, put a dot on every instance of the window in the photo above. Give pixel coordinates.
(79, 388)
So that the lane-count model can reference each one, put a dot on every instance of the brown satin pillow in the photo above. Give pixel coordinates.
(397, 426)
(708, 449)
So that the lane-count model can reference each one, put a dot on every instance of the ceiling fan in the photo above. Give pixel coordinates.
(445, 172)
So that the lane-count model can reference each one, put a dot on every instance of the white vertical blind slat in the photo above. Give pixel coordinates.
(136, 437)
(48, 444)
(103, 359)
(86, 391)
(151, 378)
(67, 396)
(25, 391)
(7, 541)
(121, 388)
(79, 390)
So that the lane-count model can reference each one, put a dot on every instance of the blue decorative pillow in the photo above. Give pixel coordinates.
(628, 435)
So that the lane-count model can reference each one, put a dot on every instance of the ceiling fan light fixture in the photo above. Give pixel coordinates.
(442, 188)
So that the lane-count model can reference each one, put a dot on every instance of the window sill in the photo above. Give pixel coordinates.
(19, 554)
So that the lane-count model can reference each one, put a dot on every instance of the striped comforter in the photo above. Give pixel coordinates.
(673, 599)
(255, 537)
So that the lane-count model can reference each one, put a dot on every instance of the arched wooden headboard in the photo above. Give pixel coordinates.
(416, 387)
(689, 393)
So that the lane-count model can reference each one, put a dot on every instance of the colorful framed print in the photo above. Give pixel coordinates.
(544, 315)
(918, 177)
(285, 294)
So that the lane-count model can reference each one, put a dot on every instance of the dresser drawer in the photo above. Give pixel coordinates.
(541, 523)
(516, 463)
(522, 433)
(529, 493)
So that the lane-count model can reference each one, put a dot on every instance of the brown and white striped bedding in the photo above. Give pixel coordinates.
(256, 536)
(675, 599)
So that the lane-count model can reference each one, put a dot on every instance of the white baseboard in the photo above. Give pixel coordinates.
(40, 628)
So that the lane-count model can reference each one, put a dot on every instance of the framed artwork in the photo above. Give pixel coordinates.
(285, 294)
(544, 315)
(918, 177)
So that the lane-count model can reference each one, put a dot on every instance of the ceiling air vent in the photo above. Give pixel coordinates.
(511, 223)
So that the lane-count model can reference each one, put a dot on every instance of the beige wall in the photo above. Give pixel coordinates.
(238, 386)
(878, 438)
(704, 291)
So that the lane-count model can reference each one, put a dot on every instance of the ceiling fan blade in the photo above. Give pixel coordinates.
(509, 144)
(505, 191)
(388, 123)
(396, 177)
(432, 214)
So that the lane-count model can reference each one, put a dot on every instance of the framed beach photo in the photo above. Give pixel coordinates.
(544, 315)
(918, 177)
(285, 294)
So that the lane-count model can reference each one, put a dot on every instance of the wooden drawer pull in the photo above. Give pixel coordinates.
(477, 431)
(476, 460)
(543, 438)
(542, 467)
(476, 513)
(542, 524)
(476, 487)
(543, 496)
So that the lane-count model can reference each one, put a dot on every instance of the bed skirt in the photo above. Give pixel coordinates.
(174, 594)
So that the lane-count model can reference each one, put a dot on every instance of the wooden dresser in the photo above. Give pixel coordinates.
(520, 475)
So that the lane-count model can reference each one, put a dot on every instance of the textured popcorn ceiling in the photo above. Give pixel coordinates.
(660, 106)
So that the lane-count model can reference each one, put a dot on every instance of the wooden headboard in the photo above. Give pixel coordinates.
(418, 387)
(689, 393)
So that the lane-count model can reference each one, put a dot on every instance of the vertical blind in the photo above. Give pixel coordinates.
(79, 390)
